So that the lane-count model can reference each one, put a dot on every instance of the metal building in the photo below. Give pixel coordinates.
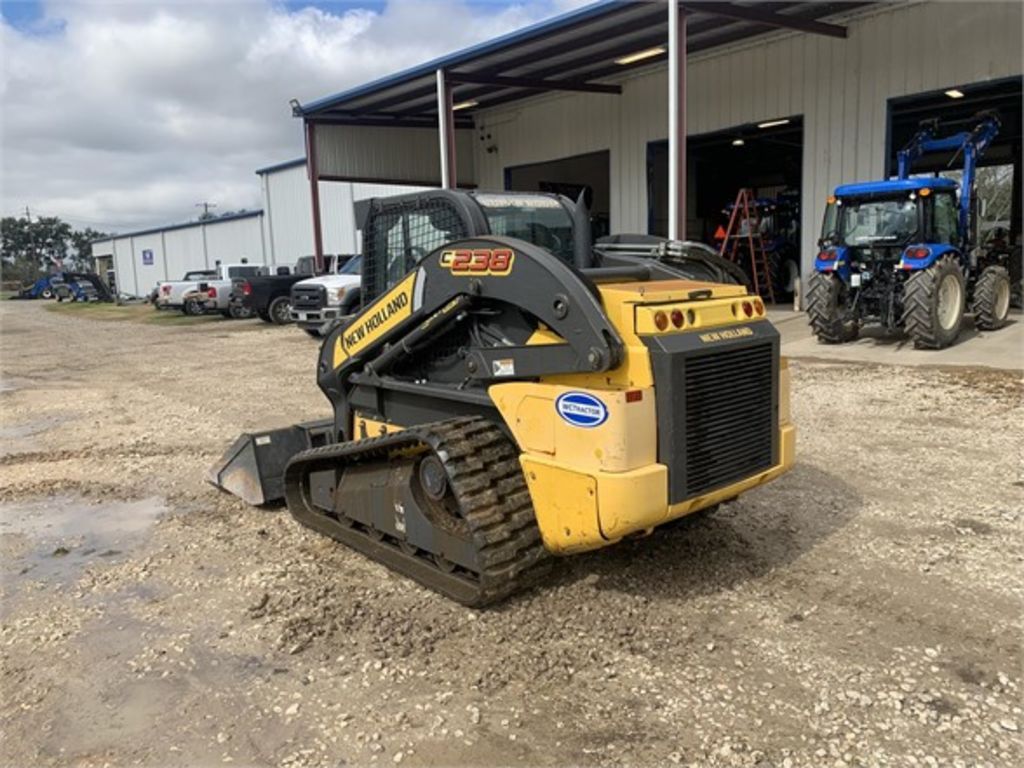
(287, 202)
(141, 259)
(276, 235)
(799, 95)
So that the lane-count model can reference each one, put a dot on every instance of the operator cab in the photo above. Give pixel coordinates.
(879, 220)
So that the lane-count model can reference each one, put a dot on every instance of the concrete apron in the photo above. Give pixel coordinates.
(1002, 349)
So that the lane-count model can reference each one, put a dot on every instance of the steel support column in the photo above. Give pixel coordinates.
(313, 172)
(446, 131)
(676, 122)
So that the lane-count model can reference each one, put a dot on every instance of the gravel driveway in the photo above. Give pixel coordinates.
(863, 610)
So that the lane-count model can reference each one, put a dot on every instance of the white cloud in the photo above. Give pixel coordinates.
(126, 115)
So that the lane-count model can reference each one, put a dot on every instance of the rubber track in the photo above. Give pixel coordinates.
(822, 304)
(983, 303)
(487, 482)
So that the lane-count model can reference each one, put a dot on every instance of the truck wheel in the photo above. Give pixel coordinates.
(239, 312)
(192, 307)
(280, 310)
(826, 307)
(933, 304)
(991, 301)
(47, 293)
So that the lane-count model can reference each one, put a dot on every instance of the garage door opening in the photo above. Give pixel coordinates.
(570, 176)
(958, 108)
(766, 158)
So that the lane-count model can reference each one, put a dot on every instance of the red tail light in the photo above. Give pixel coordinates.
(165, 289)
(211, 292)
(661, 320)
(748, 309)
(246, 288)
(677, 318)
(759, 306)
(918, 253)
(826, 256)
(634, 395)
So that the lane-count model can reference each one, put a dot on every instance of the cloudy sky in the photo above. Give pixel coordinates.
(125, 115)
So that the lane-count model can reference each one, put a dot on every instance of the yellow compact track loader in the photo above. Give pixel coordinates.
(509, 390)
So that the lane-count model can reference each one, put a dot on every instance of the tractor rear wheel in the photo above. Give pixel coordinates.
(991, 301)
(826, 307)
(933, 304)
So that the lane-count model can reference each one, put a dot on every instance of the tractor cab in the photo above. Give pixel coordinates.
(898, 224)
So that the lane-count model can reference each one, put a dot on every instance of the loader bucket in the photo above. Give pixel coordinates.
(253, 467)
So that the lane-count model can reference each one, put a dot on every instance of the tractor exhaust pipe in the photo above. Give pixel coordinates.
(582, 245)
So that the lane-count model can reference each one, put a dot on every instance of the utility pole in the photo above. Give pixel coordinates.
(206, 206)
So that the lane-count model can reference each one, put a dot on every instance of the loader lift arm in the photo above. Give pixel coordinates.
(971, 143)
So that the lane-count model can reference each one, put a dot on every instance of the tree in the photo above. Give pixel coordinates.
(30, 247)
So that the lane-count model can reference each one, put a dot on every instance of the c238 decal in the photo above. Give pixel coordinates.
(478, 261)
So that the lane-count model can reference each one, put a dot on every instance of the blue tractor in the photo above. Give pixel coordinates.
(905, 252)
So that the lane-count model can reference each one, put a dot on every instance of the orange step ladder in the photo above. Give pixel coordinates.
(743, 243)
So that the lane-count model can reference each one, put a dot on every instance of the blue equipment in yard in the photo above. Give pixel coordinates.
(904, 252)
(74, 286)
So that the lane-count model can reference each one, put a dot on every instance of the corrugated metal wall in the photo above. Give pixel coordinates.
(404, 155)
(288, 221)
(180, 249)
(841, 88)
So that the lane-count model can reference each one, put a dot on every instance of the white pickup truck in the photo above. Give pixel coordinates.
(318, 301)
(204, 291)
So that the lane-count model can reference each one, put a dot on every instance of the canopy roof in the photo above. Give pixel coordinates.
(580, 51)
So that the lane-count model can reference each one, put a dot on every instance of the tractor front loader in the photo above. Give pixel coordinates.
(509, 391)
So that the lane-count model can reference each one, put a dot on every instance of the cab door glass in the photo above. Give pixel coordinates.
(944, 219)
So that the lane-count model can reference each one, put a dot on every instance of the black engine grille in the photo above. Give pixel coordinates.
(307, 297)
(729, 416)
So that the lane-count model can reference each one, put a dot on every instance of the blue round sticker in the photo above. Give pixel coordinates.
(581, 409)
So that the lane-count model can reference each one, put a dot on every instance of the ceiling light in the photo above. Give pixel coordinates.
(647, 53)
(953, 93)
(737, 142)
(464, 105)
(773, 123)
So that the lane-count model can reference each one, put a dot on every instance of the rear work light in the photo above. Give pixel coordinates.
(677, 318)
(211, 292)
(661, 320)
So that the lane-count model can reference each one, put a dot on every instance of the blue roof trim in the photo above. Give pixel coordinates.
(186, 225)
(894, 185)
(281, 166)
(459, 57)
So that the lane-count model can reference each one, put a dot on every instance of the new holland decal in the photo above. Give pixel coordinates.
(728, 333)
(478, 261)
(377, 319)
(581, 409)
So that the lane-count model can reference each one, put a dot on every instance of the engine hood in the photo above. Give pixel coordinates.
(329, 281)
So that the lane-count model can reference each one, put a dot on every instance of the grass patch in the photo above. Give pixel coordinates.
(138, 313)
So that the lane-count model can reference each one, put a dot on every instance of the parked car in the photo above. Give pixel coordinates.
(267, 296)
(204, 290)
(319, 301)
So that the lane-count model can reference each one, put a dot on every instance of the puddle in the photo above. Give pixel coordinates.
(18, 437)
(55, 539)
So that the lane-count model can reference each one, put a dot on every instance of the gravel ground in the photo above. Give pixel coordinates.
(863, 610)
